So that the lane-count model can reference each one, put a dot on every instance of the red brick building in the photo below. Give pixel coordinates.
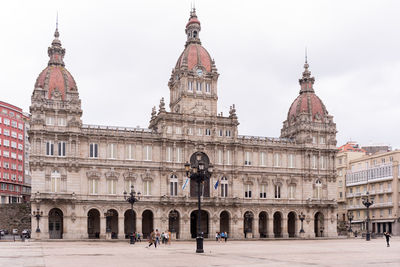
(12, 154)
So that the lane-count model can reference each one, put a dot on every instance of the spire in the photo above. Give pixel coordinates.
(193, 28)
(306, 82)
(56, 52)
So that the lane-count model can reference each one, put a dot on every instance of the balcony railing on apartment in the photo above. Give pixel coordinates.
(375, 173)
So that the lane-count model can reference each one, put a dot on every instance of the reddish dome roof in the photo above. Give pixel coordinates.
(307, 102)
(195, 55)
(56, 77)
(193, 20)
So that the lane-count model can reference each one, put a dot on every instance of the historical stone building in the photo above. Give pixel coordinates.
(79, 172)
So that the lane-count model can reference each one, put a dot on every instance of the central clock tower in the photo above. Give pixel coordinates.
(193, 82)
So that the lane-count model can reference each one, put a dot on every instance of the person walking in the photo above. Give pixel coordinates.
(158, 236)
(152, 239)
(387, 236)
(226, 236)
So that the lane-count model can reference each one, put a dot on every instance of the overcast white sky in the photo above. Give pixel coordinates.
(121, 54)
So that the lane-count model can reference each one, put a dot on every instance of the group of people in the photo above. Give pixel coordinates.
(221, 236)
(156, 237)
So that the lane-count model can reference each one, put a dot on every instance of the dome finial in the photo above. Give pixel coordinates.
(193, 28)
(56, 52)
(306, 81)
(56, 33)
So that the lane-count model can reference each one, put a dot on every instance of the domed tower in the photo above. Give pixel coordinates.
(193, 82)
(308, 121)
(55, 99)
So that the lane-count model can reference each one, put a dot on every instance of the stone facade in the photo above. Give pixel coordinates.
(79, 172)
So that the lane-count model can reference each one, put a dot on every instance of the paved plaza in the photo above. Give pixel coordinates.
(338, 252)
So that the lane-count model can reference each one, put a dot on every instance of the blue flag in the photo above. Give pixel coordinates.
(216, 184)
(185, 184)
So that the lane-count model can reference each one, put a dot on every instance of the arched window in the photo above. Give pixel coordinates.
(55, 181)
(224, 187)
(318, 189)
(173, 185)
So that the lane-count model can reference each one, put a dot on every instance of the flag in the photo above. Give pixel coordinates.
(216, 184)
(185, 184)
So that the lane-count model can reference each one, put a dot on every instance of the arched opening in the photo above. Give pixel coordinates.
(262, 224)
(204, 223)
(292, 224)
(112, 223)
(319, 224)
(173, 222)
(147, 223)
(277, 224)
(224, 222)
(129, 222)
(55, 224)
(93, 224)
(248, 224)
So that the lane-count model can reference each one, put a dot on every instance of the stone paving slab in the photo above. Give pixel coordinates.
(340, 252)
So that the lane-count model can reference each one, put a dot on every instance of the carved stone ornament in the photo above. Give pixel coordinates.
(247, 180)
(93, 174)
(112, 174)
(277, 181)
(147, 176)
(291, 180)
(73, 217)
(130, 175)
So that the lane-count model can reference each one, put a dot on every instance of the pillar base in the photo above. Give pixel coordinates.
(108, 236)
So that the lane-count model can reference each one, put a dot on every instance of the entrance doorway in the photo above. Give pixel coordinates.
(292, 224)
(204, 223)
(173, 222)
(277, 224)
(224, 222)
(93, 224)
(319, 224)
(248, 223)
(55, 224)
(147, 223)
(128, 227)
(262, 224)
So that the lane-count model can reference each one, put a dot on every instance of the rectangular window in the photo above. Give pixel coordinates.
(208, 132)
(20, 137)
(147, 151)
(20, 167)
(178, 130)
(62, 121)
(6, 132)
(228, 157)
(93, 150)
(13, 134)
(6, 165)
(112, 151)
(263, 159)
(178, 154)
(13, 144)
(111, 187)
(190, 131)
(314, 162)
(14, 124)
(199, 132)
(220, 156)
(208, 88)
(247, 158)
(61, 148)
(20, 126)
(49, 120)
(228, 133)
(127, 185)
(6, 153)
(19, 157)
(6, 143)
(277, 160)
(13, 155)
(198, 87)
(190, 86)
(322, 140)
(314, 140)
(220, 133)
(263, 191)
(147, 188)
(130, 151)
(291, 161)
(93, 186)
(20, 147)
(49, 148)
(173, 186)
(291, 192)
(247, 192)
(323, 162)
(6, 122)
(169, 154)
(277, 191)
(55, 184)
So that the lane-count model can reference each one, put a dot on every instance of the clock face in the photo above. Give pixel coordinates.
(199, 72)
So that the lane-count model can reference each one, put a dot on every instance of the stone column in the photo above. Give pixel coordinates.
(270, 228)
(102, 226)
(184, 229)
(285, 233)
(121, 227)
(256, 230)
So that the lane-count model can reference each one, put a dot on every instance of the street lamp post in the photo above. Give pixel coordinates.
(367, 202)
(37, 214)
(132, 198)
(199, 170)
(350, 217)
(302, 217)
